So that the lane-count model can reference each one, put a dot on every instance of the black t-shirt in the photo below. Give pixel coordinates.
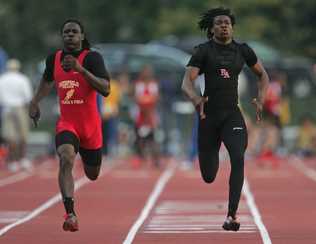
(221, 65)
(93, 62)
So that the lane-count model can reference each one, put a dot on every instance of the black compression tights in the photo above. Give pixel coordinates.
(227, 127)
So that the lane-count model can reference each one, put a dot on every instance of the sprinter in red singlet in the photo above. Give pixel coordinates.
(78, 74)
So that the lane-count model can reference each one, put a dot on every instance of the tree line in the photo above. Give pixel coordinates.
(31, 29)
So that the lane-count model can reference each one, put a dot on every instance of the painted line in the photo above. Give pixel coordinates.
(15, 178)
(188, 228)
(199, 231)
(7, 217)
(255, 213)
(307, 171)
(21, 175)
(173, 225)
(52, 201)
(161, 183)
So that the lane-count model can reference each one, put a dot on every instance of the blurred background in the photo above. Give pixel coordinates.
(153, 40)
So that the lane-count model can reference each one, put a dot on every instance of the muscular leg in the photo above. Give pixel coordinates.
(67, 154)
(67, 147)
(92, 160)
(208, 149)
(234, 134)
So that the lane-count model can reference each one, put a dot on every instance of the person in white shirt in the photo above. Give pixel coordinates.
(15, 94)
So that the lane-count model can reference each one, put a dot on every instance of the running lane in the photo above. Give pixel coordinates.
(286, 199)
(106, 208)
(191, 211)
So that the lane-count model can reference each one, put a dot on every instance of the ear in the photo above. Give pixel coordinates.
(212, 30)
(82, 36)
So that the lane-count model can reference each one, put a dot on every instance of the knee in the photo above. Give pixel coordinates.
(66, 159)
(93, 176)
(92, 173)
(208, 178)
(238, 161)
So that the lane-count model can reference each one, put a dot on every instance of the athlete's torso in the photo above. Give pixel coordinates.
(221, 65)
(146, 95)
(77, 100)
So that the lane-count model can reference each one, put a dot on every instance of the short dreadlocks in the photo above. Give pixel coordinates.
(207, 19)
(85, 43)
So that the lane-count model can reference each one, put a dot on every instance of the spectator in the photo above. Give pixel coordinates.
(306, 140)
(15, 94)
(110, 112)
(146, 122)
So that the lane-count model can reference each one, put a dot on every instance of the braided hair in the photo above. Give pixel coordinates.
(207, 19)
(84, 43)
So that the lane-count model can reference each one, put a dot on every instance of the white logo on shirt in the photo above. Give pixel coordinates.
(238, 128)
(224, 73)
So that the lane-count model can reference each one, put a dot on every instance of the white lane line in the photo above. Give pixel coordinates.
(52, 201)
(187, 217)
(255, 213)
(7, 217)
(14, 178)
(199, 231)
(307, 171)
(21, 175)
(180, 225)
(162, 181)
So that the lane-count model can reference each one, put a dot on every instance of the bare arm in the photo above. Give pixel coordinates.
(191, 73)
(99, 84)
(43, 90)
(263, 83)
(187, 87)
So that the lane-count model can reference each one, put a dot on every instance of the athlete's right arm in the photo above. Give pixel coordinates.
(43, 90)
(187, 87)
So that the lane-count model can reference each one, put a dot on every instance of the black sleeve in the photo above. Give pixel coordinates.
(249, 55)
(49, 69)
(94, 63)
(198, 58)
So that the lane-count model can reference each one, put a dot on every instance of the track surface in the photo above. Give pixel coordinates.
(127, 205)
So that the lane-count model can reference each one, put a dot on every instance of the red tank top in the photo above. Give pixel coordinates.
(78, 105)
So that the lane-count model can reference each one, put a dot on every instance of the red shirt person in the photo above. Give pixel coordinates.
(79, 74)
(146, 97)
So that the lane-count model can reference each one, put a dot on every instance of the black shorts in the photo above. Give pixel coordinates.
(91, 157)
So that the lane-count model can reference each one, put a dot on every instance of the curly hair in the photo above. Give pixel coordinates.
(85, 43)
(207, 19)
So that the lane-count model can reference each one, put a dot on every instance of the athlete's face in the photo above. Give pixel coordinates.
(222, 28)
(72, 36)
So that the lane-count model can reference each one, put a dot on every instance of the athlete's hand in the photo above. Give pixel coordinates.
(70, 62)
(34, 113)
(258, 106)
(199, 105)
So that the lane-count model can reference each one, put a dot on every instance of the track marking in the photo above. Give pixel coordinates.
(11, 216)
(199, 232)
(161, 183)
(51, 202)
(21, 175)
(195, 216)
(307, 171)
(15, 178)
(255, 213)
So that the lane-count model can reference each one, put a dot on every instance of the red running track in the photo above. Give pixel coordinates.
(126, 205)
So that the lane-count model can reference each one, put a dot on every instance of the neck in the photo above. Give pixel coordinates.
(223, 41)
(72, 49)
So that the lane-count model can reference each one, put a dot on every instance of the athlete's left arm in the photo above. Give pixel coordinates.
(263, 83)
(102, 85)
(263, 80)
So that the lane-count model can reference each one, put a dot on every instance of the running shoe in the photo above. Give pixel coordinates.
(231, 224)
(71, 223)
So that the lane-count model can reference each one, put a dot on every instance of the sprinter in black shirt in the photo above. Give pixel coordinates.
(221, 59)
